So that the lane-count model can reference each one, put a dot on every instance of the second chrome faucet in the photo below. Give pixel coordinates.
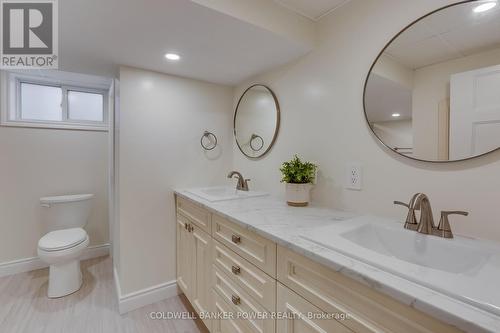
(420, 202)
(242, 184)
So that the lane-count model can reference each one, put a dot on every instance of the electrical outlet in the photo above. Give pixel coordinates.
(354, 177)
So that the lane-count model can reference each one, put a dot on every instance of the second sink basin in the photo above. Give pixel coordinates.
(422, 250)
(223, 193)
(465, 269)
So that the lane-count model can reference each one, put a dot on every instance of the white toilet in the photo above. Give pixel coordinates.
(62, 247)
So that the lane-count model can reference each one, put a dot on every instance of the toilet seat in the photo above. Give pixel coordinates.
(62, 239)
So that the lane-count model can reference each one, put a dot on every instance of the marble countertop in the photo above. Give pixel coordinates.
(273, 219)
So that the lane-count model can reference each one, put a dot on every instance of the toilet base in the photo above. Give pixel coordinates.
(64, 279)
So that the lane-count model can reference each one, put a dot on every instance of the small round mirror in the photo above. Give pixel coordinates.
(256, 121)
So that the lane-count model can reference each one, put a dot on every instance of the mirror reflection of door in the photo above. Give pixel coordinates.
(434, 92)
(475, 112)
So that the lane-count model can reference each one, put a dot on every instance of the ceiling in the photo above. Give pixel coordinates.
(312, 9)
(397, 99)
(96, 37)
(448, 34)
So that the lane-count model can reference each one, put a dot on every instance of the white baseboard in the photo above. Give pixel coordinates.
(96, 251)
(117, 284)
(30, 264)
(143, 297)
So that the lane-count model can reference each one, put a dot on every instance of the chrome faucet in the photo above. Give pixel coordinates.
(411, 220)
(444, 229)
(242, 184)
(425, 225)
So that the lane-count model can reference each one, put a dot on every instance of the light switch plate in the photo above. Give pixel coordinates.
(354, 177)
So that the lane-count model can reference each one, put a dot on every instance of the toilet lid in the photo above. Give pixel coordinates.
(62, 239)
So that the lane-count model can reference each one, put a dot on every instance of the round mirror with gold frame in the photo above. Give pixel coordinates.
(433, 92)
(256, 121)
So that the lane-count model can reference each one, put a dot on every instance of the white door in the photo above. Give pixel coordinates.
(474, 112)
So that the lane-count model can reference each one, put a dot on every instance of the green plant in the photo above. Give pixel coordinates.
(297, 172)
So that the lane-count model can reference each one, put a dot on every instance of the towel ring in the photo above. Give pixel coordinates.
(252, 138)
(211, 137)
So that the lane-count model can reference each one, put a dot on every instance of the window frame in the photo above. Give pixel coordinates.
(12, 110)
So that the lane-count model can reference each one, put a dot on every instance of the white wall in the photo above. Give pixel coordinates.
(322, 119)
(432, 86)
(269, 15)
(396, 133)
(394, 71)
(40, 162)
(115, 213)
(162, 118)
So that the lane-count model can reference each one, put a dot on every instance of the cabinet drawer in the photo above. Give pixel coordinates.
(198, 215)
(332, 292)
(300, 316)
(255, 282)
(258, 250)
(246, 308)
(226, 321)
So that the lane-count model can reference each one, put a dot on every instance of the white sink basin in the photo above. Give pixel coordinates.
(465, 269)
(426, 251)
(223, 193)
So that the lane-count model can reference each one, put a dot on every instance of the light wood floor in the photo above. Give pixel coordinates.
(24, 306)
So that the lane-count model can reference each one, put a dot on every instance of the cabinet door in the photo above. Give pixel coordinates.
(185, 257)
(202, 249)
(298, 316)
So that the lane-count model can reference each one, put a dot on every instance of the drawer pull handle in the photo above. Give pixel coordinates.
(236, 300)
(236, 239)
(236, 270)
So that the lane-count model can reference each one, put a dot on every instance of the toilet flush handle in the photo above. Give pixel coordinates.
(45, 205)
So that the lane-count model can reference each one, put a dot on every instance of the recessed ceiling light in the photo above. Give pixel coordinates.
(485, 6)
(172, 56)
(395, 115)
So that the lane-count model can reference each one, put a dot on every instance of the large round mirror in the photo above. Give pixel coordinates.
(256, 121)
(433, 93)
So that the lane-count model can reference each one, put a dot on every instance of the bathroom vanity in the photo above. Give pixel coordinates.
(264, 263)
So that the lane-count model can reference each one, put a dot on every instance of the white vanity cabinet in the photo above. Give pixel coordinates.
(256, 249)
(201, 298)
(243, 276)
(300, 316)
(369, 310)
(228, 324)
(194, 249)
(251, 279)
(223, 267)
(185, 256)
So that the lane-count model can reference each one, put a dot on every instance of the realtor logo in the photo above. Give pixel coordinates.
(29, 34)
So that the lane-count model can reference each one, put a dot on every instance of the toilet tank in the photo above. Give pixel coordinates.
(66, 211)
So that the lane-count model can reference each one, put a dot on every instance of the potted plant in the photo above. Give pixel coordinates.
(299, 177)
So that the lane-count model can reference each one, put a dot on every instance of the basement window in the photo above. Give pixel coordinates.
(52, 103)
